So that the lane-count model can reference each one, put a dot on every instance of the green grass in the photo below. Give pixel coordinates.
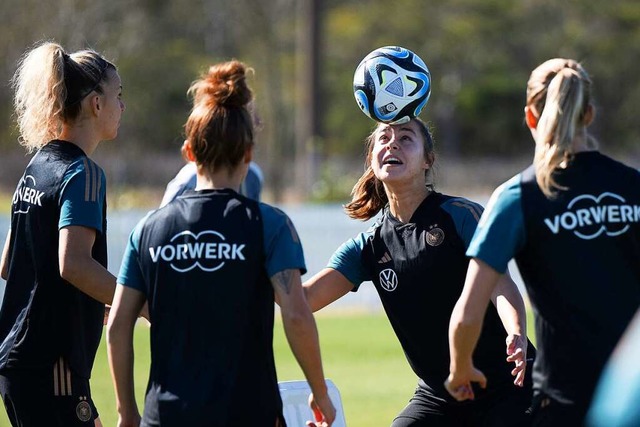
(360, 353)
(5, 204)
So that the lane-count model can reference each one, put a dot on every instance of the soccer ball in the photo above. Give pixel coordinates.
(392, 85)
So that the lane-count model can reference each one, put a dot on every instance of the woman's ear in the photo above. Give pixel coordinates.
(94, 105)
(428, 163)
(589, 115)
(186, 151)
(530, 118)
(248, 155)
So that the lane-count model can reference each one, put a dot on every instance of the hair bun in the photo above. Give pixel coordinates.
(225, 85)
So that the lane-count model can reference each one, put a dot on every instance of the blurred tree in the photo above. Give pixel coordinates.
(479, 53)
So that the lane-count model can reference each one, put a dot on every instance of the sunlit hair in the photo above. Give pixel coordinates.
(49, 88)
(368, 196)
(220, 128)
(559, 92)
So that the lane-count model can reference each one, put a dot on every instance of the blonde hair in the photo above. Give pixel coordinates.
(559, 91)
(368, 196)
(49, 86)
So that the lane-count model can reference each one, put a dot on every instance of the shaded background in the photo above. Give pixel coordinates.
(304, 53)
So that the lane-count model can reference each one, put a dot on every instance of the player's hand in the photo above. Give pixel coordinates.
(323, 411)
(129, 419)
(517, 353)
(458, 384)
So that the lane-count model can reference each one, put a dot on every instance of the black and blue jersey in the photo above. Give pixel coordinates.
(579, 256)
(43, 317)
(418, 269)
(204, 262)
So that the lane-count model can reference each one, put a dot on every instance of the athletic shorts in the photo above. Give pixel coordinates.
(548, 412)
(504, 405)
(53, 397)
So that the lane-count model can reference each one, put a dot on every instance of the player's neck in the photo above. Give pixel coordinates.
(207, 180)
(402, 204)
(82, 136)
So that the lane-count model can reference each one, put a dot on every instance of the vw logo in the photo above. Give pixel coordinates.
(388, 280)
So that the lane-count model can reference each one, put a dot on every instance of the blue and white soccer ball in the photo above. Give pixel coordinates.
(392, 85)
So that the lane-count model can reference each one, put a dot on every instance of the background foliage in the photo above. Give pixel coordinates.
(479, 53)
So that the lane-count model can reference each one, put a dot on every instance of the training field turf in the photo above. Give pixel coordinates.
(360, 353)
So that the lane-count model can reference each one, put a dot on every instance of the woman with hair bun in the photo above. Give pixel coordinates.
(209, 264)
(55, 256)
(571, 222)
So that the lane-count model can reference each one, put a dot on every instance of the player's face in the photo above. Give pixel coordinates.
(112, 105)
(398, 153)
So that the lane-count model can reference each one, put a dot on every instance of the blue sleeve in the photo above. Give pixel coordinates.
(130, 274)
(281, 242)
(500, 233)
(184, 180)
(465, 215)
(347, 260)
(617, 399)
(252, 184)
(82, 195)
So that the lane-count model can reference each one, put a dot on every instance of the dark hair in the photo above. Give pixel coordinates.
(84, 72)
(220, 126)
(368, 196)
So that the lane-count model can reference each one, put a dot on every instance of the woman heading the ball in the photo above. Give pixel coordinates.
(209, 264)
(571, 222)
(55, 257)
(415, 257)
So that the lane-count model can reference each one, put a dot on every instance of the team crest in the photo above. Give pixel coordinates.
(435, 236)
(83, 411)
(388, 279)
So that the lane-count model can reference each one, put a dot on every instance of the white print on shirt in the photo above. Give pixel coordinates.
(27, 194)
(588, 216)
(388, 279)
(207, 250)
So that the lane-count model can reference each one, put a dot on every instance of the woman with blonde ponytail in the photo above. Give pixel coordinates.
(55, 256)
(210, 264)
(414, 255)
(571, 221)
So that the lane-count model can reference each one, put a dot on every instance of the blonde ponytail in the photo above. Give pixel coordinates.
(559, 90)
(49, 87)
(39, 95)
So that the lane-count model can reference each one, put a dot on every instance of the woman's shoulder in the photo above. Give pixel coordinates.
(621, 166)
(460, 204)
(273, 217)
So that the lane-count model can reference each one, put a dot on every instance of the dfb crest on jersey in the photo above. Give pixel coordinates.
(434, 236)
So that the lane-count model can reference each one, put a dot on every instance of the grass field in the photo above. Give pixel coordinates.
(360, 352)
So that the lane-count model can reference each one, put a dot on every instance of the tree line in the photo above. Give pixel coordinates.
(304, 53)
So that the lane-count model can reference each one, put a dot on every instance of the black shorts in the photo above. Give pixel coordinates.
(548, 412)
(503, 405)
(47, 397)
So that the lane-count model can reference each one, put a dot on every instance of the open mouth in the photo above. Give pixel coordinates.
(392, 161)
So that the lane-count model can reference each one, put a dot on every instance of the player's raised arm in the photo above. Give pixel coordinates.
(302, 335)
